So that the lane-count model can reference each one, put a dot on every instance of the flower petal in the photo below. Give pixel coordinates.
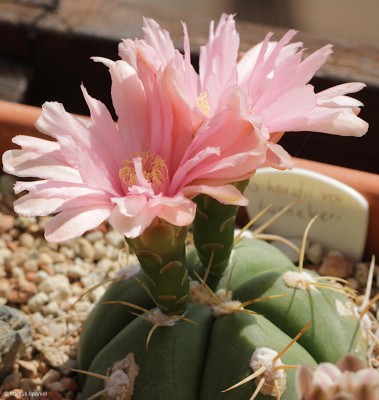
(73, 223)
(227, 194)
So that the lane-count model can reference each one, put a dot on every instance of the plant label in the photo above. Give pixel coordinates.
(342, 211)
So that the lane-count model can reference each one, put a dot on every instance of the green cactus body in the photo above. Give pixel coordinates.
(330, 312)
(106, 320)
(200, 361)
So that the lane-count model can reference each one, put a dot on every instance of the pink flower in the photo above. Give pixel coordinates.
(350, 378)
(271, 77)
(144, 167)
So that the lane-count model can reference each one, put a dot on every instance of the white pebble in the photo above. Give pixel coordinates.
(41, 276)
(5, 255)
(115, 239)
(86, 250)
(37, 301)
(100, 250)
(53, 283)
(51, 376)
(94, 236)
(315, 253)
(77, 271)
(26, 240)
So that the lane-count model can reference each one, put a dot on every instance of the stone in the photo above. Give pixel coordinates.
(52, 375)
(336, 265)
(26, 240)
(29, 385)
(37, 301)
(11, 381)
(55, 386)
(361, 273)
(94, 236)
(57, 286)
(86, 250)
(69, 384)
(115, 239)
(15, 336)
(315, 253)
(54, 356)
(6, 222)
(29, 369)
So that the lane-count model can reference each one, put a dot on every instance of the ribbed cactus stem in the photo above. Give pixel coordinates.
(213, 231)
(161, 253)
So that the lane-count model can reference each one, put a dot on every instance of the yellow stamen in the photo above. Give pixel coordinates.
(202, 103)
(154, 169)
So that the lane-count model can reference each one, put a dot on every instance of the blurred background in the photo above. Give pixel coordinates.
(46, 45)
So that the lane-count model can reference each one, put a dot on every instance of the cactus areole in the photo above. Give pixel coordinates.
(214, 317)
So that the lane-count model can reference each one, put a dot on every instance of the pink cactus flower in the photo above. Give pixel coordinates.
(272, 78)
(349, 379)
(143, 167)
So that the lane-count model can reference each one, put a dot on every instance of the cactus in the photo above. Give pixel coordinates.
(235, 340)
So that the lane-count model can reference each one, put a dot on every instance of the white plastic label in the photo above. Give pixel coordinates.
(342, 211)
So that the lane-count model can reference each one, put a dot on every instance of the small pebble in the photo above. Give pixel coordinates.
(36, 302)
(69, 384)
(6, 222)
(29, 369)
(55, 386)
(361, 273)
(51, 376)
(315, 253)
(336, 265)
(26, 240)
(115, 239)
(86, 250)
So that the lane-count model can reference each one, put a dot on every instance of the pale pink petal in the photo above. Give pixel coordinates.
(339, 90)
(159, 39)
(183, 170)
(311, 65)
(105, 138)
(56, 122)
(73, 223)
(129, 100)
(133, 227)
(131, 205)
(177, 210)
(37, 145)
(29, 164)
(32, 206)
(277, 157)
(218, 68)
(289, 111)
(127, 51)
(336, 122)
(192, 79)
(160, 115)
(227, 194)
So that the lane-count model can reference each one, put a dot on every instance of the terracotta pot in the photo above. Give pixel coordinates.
(18, 119)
